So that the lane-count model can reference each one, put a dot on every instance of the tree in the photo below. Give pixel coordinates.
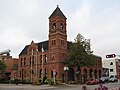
(2, 67)
(80, 53)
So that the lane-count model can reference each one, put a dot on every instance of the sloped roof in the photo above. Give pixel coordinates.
(45, 46)
(57, 12)
(40, 44)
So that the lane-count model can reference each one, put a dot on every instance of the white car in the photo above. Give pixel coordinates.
(113, 79)
(104, 79)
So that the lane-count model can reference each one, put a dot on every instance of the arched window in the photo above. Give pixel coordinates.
(20, 74)
(45, 72)
(32, 71)
(54, 27)
(45, 58)
(40, 73)
(51, 74)
(40, 58)
(25, 74)
(61, 26)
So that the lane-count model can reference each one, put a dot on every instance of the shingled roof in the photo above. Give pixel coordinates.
(45, 46)
(40, 44)
(57, 12)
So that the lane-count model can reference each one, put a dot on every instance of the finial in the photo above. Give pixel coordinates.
(57, 5)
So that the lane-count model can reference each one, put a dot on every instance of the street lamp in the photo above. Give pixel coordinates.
(66, 69)
(54, 73)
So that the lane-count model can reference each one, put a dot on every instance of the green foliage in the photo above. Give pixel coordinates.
(49, 81)
(2, 66)
(14, 81)
(78, 54)
(18, 81)
(44, 79)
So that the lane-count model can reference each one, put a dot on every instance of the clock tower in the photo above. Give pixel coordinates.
(57, 43)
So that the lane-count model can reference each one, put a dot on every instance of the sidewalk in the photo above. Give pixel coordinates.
(26, 86)
(119, 81)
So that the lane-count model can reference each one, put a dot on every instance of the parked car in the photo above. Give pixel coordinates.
(113, 79)
(92, 82)
(104, 79)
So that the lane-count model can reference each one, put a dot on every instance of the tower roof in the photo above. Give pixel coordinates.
(57, 12)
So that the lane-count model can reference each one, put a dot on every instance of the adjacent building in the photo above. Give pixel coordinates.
(11, 69)
(113, 64)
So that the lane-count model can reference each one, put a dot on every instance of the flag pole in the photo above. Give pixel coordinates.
(42, 62)
(31, 64)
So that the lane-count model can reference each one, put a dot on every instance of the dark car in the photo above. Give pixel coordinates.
(92, 82)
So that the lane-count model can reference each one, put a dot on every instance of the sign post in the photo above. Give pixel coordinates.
(54, 73)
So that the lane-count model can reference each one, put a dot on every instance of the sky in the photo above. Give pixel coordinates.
(22, 21)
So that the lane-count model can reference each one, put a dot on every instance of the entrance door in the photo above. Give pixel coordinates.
(71, 74)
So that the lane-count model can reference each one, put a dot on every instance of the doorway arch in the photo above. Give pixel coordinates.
(95, 73)
(99, 73)
(70, 74)
(91, 73)
(84, 75)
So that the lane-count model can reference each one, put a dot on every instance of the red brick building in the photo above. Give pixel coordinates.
(11, 69)
(34, 63)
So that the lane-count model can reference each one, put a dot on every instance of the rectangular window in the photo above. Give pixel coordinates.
(21, 62)
(111, 70)
(111, 63)
(62, 42)
(51, 74)
(24, 61)
(40, 58)
(53, 42)
(24, 74)
(32, 59)
(45, 72)
(20, 74)
(45, 58)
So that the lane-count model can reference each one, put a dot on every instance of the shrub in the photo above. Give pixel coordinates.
(14, 81)
(49, 81)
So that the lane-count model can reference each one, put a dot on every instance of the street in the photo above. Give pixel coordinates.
(111, 86)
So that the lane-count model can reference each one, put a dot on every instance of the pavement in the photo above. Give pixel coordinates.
(50, 87)
(34, 87)
(25, 86)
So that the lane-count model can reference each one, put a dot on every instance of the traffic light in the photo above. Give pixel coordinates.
(110, 56)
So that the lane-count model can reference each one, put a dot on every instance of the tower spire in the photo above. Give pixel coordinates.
(57, 12)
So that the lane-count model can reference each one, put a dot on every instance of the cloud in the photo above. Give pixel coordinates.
(102, 27)
(80, 20)
(22, 21)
